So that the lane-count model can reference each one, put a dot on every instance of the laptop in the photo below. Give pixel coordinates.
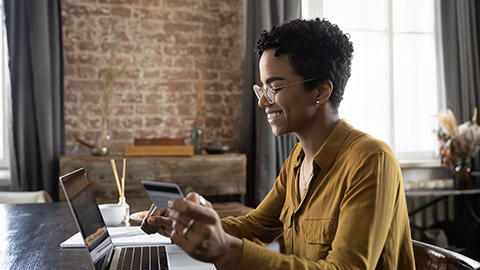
(98, 242)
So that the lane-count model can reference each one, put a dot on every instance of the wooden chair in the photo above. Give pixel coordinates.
(436, 258)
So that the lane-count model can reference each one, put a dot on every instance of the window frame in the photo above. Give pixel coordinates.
(314, 8)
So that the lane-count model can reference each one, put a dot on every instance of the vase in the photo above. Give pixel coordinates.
(463, 177)
(196, 138)
(105, 140)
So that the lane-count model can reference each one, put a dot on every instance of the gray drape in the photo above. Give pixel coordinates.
(36, 67)
(460, 37)
(461, 59)
(265, 152)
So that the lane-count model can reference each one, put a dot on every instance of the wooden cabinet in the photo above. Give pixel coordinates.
(209, 175)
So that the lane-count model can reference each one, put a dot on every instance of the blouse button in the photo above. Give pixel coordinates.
(297, 228)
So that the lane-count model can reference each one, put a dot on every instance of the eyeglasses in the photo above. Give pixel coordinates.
(269, 92)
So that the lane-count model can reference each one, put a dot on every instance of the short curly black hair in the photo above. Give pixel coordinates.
(316, 48)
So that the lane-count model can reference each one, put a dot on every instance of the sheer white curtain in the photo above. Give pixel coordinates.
(5, 107)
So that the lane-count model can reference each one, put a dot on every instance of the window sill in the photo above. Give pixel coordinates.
(4, 177)
(419, 163)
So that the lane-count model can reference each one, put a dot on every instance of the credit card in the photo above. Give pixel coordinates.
(160, 192)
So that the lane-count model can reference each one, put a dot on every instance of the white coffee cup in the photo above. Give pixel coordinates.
(112, 213)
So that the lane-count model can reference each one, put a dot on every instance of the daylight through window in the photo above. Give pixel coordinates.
(394, 91)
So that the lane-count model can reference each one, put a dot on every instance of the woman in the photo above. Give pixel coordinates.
(338, 200)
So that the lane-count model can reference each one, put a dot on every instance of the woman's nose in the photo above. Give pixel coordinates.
(263, 102)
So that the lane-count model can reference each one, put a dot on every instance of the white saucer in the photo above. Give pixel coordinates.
(136, 217)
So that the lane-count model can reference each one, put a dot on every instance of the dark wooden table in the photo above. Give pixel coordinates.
(30, 234)
(30, 237)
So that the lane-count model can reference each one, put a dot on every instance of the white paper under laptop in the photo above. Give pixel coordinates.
(121, 236)
(98, 241)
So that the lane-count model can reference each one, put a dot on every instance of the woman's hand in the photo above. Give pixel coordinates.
(198, 231)
(157, 220)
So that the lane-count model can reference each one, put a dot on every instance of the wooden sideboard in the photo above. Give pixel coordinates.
(209, 175)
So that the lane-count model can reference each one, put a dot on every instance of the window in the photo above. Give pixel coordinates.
(394, 92)
(4, 102)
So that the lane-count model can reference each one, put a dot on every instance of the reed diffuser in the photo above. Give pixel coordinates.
(121, 190)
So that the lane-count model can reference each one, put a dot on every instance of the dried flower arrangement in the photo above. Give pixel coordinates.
(196, 133)
(107, 80)
(200, 98)
(458, 144)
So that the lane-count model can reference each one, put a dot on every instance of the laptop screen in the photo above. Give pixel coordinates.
(82, 201)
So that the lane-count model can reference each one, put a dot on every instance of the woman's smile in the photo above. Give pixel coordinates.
(273, 117)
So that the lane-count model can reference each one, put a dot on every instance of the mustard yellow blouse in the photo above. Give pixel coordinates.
(353, 215)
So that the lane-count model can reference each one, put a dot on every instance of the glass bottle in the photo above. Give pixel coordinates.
(463, 177)
(123, 201)
(196, 138)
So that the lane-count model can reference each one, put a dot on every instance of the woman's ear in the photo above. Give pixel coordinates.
(324, 91)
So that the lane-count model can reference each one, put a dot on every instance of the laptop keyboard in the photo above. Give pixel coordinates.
(151, 258)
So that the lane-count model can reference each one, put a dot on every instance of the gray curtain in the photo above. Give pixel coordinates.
(460, 38)
(461, 59)
(36, 67)
(265, 152)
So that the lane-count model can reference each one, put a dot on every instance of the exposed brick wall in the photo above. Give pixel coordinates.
(169, 45)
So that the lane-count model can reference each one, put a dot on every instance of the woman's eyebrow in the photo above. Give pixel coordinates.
(272, 79)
